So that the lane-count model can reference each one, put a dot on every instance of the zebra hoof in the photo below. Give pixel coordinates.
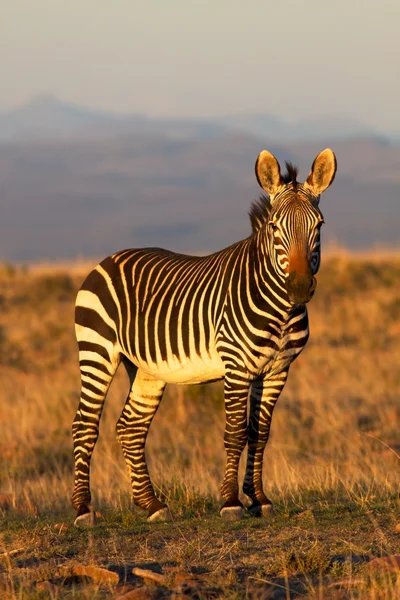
(162, 515)
(231, 513)
(261, 510)
(85, 520)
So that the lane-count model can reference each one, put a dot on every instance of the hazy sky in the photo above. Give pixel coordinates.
(291, 58)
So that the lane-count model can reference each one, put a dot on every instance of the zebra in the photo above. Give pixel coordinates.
(239, 315)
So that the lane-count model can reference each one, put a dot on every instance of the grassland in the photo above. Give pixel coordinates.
(332, 465)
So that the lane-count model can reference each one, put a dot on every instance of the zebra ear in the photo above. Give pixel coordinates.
(268, 172)
(322, 172)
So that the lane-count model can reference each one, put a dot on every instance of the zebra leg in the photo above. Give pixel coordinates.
(132, 429)
(264, 395)
(236, 392)
(97, 372)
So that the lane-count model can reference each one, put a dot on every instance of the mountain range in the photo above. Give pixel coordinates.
(46, 117)
(76, 182)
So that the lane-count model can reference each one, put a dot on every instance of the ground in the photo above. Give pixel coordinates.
(331, 468)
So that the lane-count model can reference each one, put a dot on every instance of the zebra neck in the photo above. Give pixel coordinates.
(265, 281)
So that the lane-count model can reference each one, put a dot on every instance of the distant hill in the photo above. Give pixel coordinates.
(75, 197)
(48, 118)
(311, 129)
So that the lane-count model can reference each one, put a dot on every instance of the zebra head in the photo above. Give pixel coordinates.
(291, 220)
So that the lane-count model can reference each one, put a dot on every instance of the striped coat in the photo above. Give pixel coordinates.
(237, 315)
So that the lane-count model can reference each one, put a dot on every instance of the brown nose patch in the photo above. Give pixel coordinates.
(298, 263)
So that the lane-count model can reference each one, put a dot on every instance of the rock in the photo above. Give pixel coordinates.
(146, 592)
(386, 563)
(181, 583)
(149, 575)
(98, 574)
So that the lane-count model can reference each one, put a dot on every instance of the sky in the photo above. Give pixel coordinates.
(294, 59)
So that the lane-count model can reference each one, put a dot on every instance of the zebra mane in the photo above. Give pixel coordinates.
(259, 212)
(291, 174)
(260, 209)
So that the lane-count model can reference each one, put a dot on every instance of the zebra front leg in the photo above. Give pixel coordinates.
(264, 395)
(132, 429)
(96, 376)
(236, 392)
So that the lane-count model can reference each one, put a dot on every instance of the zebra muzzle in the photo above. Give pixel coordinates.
(300, 288)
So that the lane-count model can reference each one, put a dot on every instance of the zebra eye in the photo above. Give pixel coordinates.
(319, 224)
(273, 226)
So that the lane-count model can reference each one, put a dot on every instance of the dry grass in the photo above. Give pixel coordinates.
(332, 464)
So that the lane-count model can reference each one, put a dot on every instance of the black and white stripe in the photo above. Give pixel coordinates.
(237, 315)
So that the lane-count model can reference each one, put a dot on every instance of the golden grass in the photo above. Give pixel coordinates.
(334, 441)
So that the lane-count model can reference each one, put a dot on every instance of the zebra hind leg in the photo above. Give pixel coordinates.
(235, 438)
(132, 429)
(97, 373)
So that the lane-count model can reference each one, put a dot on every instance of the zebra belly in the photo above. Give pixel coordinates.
(197, 369)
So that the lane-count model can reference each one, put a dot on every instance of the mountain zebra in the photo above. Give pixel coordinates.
(237, 315)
